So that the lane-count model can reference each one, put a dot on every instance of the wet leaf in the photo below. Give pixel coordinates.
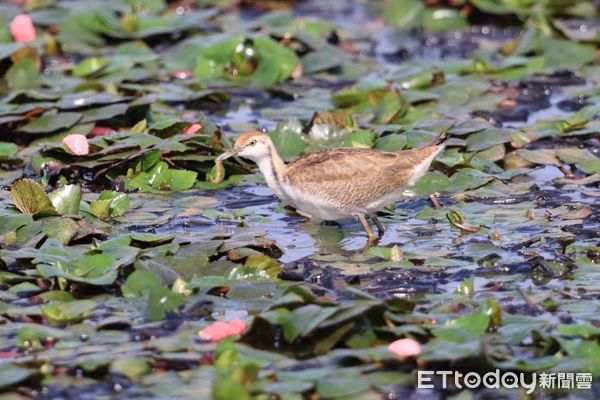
(29, 197)
(289, 139)
(66, 199)
(161, 300)
(110, 204)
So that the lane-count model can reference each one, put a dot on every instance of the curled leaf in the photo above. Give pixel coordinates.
(110, 204)
(217, 173)
(457, 221)
(66, 199)
(29, 197)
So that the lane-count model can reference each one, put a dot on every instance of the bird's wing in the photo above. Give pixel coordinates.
(355, 177)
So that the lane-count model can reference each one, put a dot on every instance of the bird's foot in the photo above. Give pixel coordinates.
(371, 241)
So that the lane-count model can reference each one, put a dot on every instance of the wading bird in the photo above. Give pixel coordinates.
(339, 183)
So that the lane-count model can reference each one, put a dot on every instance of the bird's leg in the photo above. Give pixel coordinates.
(365, 225)
(304, 214)
(380, 229)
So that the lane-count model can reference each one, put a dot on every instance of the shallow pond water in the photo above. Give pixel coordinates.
(105, 291)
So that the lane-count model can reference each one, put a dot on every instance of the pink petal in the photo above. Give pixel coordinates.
(182, 74)
(101, 131)
(22, 28)
(404, 348)
(193, 128)
(77, 144)
(220, 330)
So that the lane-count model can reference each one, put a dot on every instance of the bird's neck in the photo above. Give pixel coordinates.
(274, 170)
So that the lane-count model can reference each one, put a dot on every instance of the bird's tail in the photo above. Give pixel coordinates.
(441, 137)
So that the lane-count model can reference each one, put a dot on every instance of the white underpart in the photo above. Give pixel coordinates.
(314, 205)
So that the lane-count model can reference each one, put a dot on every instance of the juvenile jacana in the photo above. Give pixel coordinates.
(339, 183)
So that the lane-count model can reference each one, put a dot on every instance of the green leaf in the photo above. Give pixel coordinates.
(110, 204)
(444, 19)
(264, 263)
(139, 283)
(226, 388)
(8, 150)
(566, 54)
(101, 208)
(48, 123)
(334, 387)
(32, 335)
(260, 61)
(68, 312)
(403, 14)
(585, 161)
(11, 374)
(391, 143)
(90, 66)
(486, 316)
(29, 197)
(174, 180)
(306, 318)
(289, 139)
(389, 105)
(132, 367)
(23, 75)
(62, 229)
(430, 183)
(66, 199)
(583, 330)
(361, 138)
(160, 300)
(96, 269)
(466, 180)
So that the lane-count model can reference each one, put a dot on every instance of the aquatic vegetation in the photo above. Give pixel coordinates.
(131, 265)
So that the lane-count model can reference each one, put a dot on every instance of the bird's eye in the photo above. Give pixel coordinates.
(253, 142)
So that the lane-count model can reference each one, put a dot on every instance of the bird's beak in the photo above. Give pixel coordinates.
(229, 153)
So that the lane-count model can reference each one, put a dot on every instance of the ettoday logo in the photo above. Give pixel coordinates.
(508, 380)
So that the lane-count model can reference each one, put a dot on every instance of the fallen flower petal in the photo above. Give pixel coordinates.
(405, 348)
(221, 330)
(77, 144)
(22, 28)
(101, 131)
(193, 128)
(182, 74)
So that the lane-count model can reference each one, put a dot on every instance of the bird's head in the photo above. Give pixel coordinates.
(253, 145)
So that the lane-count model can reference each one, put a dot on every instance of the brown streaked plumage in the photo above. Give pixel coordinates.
(339, 183)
